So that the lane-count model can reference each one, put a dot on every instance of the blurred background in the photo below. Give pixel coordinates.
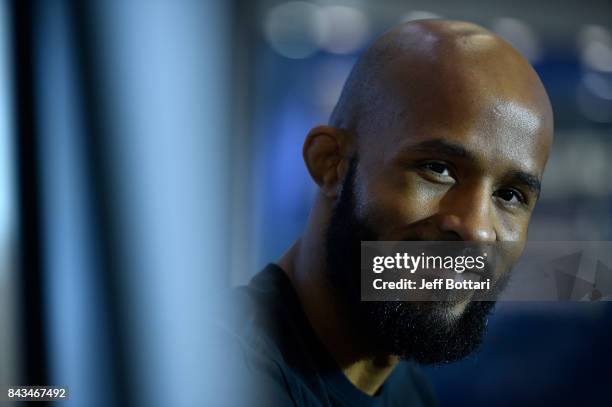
(150, 155)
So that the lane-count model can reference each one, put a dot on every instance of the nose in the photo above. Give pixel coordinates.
(467, 214)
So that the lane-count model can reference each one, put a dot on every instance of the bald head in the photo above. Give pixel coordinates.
(441, 72)
(442, 133)
(442, 116)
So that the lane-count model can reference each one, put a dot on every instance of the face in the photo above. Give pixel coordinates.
(473, 175)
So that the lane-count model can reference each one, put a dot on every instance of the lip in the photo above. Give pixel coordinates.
(467, 276)
(431, 275)
(449, 272)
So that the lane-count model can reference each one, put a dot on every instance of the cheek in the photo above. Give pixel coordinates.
(510, 253)
(395, 200)
(512, 228)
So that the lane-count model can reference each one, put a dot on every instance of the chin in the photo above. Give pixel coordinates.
(453, 312)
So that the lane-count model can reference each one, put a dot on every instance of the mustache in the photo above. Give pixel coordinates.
(478, 258)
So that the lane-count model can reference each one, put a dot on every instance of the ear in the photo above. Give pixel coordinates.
(326, 153)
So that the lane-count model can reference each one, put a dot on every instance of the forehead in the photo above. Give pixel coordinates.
(487, 98)
(499, 134)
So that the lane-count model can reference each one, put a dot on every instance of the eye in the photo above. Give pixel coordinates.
(439, 168)
(510, 196)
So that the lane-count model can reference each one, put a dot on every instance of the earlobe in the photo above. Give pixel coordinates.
(325, 153)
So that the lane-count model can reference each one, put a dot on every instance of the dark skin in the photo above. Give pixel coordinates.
(463, 160)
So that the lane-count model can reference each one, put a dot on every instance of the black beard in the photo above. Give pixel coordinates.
(425, 332)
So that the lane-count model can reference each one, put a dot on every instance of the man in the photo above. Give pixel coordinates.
(442, 133)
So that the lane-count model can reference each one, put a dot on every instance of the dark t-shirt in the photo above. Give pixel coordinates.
(269, 350)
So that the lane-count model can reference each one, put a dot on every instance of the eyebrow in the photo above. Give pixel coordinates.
(441, 146)
(529, 180)
(447, 148)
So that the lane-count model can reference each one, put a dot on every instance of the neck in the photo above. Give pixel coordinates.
(305, 265)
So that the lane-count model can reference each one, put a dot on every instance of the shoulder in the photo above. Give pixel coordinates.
(257, 344)
(245, 368)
